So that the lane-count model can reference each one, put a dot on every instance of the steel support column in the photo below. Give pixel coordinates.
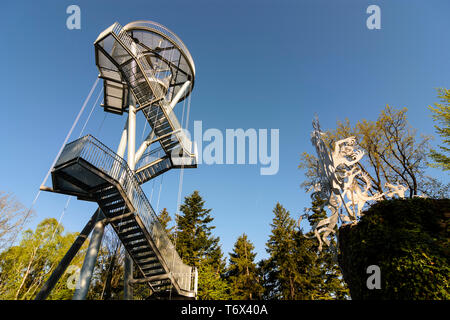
(128, 265)
(67, 259)
(89, 261)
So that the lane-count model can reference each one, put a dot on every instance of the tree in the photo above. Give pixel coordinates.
(211, 285)
(326, 277)
(408, 240)
(268, 279)
(393, 153)
(287, 265)
(441, 114)
(244, 281)
(296, 269)
(107, 280)
(25, 268)
(194, 241)
(197, 246)
(165, 219)
(12, 217)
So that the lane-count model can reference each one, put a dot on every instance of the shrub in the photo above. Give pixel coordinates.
(409, 240)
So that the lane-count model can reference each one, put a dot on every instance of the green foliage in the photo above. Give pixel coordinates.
(394, 153)
(288, 265)
(441, 114)
(242, 274)
(296, 269)
(165, 219)
(25, 268)
(194, 241)
(326, 277)
(199, 248)
(12, 217)
(211, 285)
(409, 240)
(107, 281)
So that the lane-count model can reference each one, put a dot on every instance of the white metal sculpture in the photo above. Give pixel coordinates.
(338, 184)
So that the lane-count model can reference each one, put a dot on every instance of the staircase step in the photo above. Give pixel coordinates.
(161, 283)
(127, 232)
(142, 250)
(147, 260)
(114, 197)
(134, 238)
(149, 266)
(104, 190)
(125, 224)
(153, 271)
(111, 207)
(145, 256)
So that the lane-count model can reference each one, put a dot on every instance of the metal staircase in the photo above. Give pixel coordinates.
(145, 67)
(91, 171)
(133, 70)
(152, 164)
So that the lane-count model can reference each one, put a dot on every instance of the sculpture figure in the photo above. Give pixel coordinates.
(341, 183)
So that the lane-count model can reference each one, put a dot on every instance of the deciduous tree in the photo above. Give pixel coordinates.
(12, 217)
(393, 153)
(24, 268)
(441, 114)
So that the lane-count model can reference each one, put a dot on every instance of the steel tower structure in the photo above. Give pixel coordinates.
(145, 68)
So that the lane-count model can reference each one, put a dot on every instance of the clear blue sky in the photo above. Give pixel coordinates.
(260, 64)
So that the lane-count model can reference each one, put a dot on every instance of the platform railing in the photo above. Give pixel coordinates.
(122, 35)
(150, 157)
(104, 159)
(126, 40)
(168, 33)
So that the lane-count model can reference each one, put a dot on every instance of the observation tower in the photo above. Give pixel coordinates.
(145, 68)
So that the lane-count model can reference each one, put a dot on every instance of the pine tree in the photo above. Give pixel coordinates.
(211, 286)
(326, 276)
(242, 272)
(268, 279)
(199, 248)
(165, 219)
(286, 282)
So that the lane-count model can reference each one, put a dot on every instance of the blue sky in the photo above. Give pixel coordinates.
(260, 64)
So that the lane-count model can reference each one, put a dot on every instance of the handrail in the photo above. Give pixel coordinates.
(104, 159)
(149, 157)
(168, 33)
(121, 34)
(125, 38)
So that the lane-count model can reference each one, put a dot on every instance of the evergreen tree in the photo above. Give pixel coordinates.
(267, 278)
(199, 248)
(285, 259)
(244, 281)
(165, 219)
(326, 277)
(211, 286)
